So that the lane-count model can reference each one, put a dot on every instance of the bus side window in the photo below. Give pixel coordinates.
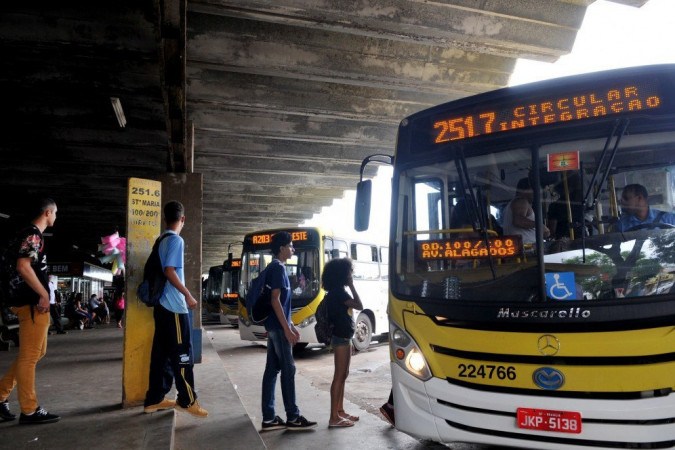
(365, 258)
(384, 263)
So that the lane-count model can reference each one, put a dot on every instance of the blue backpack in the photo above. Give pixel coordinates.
(259, 299)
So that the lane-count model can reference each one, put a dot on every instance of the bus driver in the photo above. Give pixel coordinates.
(635, 209)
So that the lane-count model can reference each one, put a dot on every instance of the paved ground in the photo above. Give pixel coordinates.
(367, 388)
(80, 379)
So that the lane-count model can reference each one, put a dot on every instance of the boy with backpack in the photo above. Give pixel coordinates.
(171, 356)
(281, 337)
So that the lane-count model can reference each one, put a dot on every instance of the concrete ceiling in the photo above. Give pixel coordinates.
(275, 102)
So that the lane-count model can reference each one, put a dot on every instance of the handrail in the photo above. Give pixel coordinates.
(448, 230)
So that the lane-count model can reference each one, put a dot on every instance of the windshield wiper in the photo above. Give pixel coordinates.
(477, 213)
(605, 172)
(604, 164)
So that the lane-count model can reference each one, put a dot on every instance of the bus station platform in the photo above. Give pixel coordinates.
(80, 379)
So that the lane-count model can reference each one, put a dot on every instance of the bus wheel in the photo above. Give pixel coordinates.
(363, 333)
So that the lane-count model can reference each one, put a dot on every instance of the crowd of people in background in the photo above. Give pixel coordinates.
(86, 314)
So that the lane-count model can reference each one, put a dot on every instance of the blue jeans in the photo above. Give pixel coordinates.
(279, 359)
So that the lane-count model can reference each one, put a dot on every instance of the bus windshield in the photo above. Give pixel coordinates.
(214, 284)
(457, 242)
(457, 245)
(302, 269)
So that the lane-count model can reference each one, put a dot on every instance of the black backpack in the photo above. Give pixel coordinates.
(152, 287)
(324, 327)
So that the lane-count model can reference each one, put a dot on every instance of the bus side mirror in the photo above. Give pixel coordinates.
(362, 207)
(334, 254)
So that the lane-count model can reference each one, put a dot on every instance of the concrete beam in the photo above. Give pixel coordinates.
(305, 53)
(215, 144)
(272, 179)
(280, 164)
(302, 206)
(286, 125)
(308, 203)
(259, 191)
(518, 28)
(218, 88)
(119, 25)
(260, 217)
(272, 199)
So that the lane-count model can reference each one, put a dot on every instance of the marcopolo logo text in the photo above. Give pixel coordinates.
(569, 313)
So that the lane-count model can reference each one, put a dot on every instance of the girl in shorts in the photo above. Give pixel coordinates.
(337, 276)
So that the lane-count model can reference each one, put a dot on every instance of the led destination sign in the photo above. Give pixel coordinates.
(475, 248)
(232, 264)
(266, 238)
(515, 114)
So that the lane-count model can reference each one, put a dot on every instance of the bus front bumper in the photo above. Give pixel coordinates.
(229, 319)
(307, 333)
(258, 333)
(443, 412)
(252, 332)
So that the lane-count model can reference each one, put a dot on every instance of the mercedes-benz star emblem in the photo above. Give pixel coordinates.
(548, 345)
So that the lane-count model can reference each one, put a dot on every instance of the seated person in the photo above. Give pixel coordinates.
(98, 309)
(103, 311)
(80, 316)
(635, 209)
(305, 279)
(519, 215)
(460, 218)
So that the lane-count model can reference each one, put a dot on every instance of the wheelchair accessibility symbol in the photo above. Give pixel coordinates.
(561, 286)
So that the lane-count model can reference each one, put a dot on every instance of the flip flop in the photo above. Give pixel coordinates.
(342, 423)
(344, 415)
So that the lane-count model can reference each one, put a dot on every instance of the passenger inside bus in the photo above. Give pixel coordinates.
(636, 213)
(557, 218)
(519, 216)
(461, 218)
(305, 279)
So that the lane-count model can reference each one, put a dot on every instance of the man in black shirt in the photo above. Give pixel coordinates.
(30, 300)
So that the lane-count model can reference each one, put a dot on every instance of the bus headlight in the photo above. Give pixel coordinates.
(400, 338)
(307, 322)
(416, 361)
(407, 354)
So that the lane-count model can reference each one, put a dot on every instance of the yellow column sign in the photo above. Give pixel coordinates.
(144, 224)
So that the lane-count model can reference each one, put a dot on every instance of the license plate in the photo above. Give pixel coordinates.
(549, 420)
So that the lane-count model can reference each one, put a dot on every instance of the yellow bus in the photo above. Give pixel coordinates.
(313, 248)
(514, 337)
(222, 291)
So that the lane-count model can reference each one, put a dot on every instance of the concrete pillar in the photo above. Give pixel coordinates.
(188, 189)
(144, 224)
